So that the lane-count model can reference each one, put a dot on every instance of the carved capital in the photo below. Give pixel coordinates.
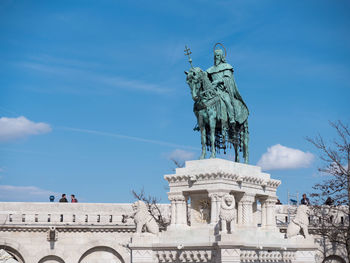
(271, 200)
(247, 198)
(176, 198)
(213, 196)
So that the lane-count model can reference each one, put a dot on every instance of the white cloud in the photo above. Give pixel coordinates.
(14, 128)
(281, 157)
(24, 193)
(181, 155)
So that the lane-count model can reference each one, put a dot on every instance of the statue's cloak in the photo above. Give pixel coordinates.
(224, 72)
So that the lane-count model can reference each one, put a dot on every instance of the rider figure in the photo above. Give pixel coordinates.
(221, 76)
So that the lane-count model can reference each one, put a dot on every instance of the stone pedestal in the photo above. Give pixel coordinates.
(211, 179)
(194, 233)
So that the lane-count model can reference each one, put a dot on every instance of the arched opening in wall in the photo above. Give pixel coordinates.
(51, 259)
(333, 259)
(101, 254)
(13, 252)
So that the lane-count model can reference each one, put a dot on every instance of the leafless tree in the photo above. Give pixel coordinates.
(152, 202)
(178, 163)
(331, 197)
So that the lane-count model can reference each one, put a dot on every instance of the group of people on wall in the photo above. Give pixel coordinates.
(306, 201)
(64, 199)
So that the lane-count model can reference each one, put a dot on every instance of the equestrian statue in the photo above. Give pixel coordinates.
(222, 115)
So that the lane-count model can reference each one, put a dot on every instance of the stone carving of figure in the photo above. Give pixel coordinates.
(204, 210)
(299, 223)
(227, 212)
(221, 76)
(142, 217)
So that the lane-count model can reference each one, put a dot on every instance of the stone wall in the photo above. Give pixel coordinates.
(85, 232)
(82, 232)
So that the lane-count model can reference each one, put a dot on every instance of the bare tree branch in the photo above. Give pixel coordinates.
(333, 220)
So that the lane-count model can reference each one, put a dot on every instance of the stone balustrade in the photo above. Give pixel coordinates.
(13, 213)
(20, 213)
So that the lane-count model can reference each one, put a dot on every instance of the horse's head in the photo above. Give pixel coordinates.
(194, 80)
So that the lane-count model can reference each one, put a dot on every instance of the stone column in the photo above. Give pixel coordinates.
(270, 212)
(173, 211)
(213, 208)
(181, 216)
(263, 212)
(178, 210)
(218, 206)
(255, 213)
(247, 209)
(239, 213)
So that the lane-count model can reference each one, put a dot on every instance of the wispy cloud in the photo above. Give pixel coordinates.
(133, 138)
(131, 84)
(24, 193)
(279, 157)
(78, 71)
(15, 128)
(180, 155)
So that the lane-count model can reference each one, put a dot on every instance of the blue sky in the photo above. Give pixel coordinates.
(93, 98)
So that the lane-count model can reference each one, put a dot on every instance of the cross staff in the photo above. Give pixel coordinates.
(188, 53)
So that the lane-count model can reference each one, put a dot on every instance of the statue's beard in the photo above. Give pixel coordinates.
(217, 62)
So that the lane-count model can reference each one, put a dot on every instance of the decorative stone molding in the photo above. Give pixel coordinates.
(92, 229)
(176, 197)
(203, 171)
(304, 256)
(185, 255)
(229, 255)
(232, 177)
(266, 256)
(142, 256)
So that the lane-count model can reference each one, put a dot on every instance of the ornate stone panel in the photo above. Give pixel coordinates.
(185, 255)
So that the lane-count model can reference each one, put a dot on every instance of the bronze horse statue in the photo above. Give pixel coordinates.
(217, 131)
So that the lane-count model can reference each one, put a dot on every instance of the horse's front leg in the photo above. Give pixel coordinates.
(203, 137)
(212, 124)
(236, 146)
(245, 143)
